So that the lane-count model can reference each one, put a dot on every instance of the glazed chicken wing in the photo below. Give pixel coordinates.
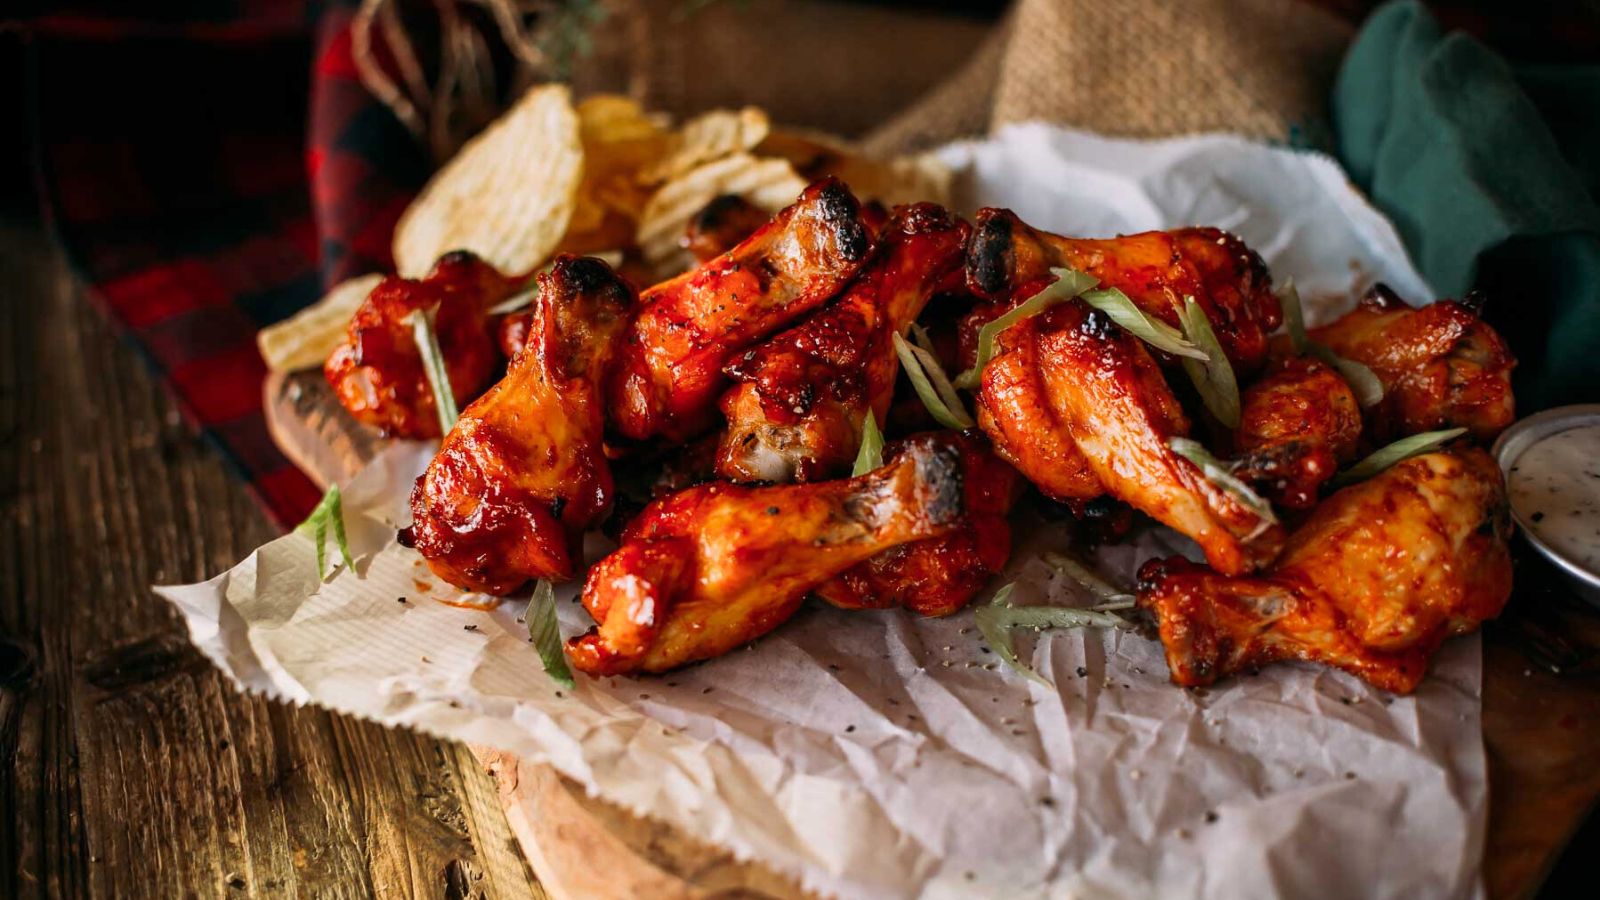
(670, 366)
(1297, 425)
(1156, 269)
(377, 372)
(800, 399)
(523, 474)
(721, 225)
(940, 575)
(1081, 408)
(1441, 365)
(1375, 580)
(705, 570)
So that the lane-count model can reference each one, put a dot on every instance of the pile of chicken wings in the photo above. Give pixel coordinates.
(739, 392)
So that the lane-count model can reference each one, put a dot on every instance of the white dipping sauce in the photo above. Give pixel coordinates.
(1555, 490)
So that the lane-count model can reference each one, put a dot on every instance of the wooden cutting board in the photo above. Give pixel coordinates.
(1541, 722)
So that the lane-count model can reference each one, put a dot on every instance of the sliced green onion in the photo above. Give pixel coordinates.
(1293, 316)
(870, 456)
(1218, 474)
(1364, 383)
(1154, 332)
(515, 301)
(1403, 449)
(932, 385)
(996, 620)
(1090, 580)
(919, 337)
(1213, 377)
(546, 634)
(1069, 283)
(330, 510)
(444, 400)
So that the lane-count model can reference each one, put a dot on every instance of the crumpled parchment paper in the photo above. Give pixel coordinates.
(875, 754)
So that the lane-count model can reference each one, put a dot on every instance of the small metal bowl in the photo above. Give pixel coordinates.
(1518, 438)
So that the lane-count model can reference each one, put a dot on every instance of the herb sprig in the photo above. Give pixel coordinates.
(328, 512)
(545, 633)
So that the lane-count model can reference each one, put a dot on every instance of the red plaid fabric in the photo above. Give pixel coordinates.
(201, 199)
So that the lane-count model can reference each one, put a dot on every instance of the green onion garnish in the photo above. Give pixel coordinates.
(1069, 283)
(329, 510)
(1403, 449)
(1364, 383)
(546, 634)
(515, 301)
(1108, 595)
(870, 456)
(1294, 317)
(1218, 474)
(996, 620)
(1154, 332)
(1212, 377)
(444, 400)
(932, 385)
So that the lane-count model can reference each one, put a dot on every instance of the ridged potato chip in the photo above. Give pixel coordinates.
(508, 196)
(709, 137)
(906, 179)
(305, 339)
(770, 184)
(619, 140)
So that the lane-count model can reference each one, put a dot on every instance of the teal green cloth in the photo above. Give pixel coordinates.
(1490, 173)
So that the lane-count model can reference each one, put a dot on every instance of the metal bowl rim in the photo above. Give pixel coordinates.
(1510, 446)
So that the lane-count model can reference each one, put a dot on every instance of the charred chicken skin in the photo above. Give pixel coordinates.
(1297, 425)
(1379, 575)
(940, 575)
(1156, 269)
(377, 372)
(1441, 365)
(721, 225)
(523, 474)
(707, 569)
(1081, 408)
(669, 373)
(800, 399)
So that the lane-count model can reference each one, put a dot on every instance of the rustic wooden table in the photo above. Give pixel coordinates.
(128, 766)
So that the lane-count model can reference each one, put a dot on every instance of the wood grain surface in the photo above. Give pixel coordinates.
(128, 765)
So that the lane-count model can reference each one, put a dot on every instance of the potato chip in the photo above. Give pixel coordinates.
(305, 339)
(907, 179)
(770, 184)
(613, 118)
(710, 137)
(619, 140)
(508, 196)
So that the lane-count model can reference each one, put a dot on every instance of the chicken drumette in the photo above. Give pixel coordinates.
(1297, 425)
(702, 571)
(669, 372)
(523, 474)
(1158, 270)
(940, 575)
(1379, 575)
(1441, 365)
(800, 399)
(1082, 409)
(377, 373)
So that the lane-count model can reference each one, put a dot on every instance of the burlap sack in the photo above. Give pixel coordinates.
(1138, 68)
(903, 79)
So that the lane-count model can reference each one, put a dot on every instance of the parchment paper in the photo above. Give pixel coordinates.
(875, 754)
